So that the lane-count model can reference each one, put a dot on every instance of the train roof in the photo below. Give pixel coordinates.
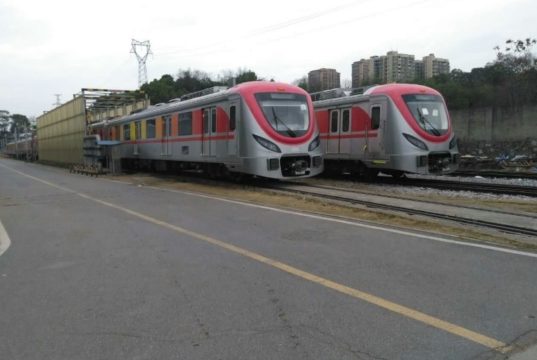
(220, 93)
(391, 90)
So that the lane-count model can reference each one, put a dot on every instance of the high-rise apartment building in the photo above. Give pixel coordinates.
(419, 70)
(323, 79)
(433, 66)
(396, 67)
(360, 72)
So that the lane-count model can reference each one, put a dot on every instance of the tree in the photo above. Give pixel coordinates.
(188, 81)
(5, 119)
(244, 75)
(162, 90)
(231, 78)
(20, 123)
(192, 80)
(516, 55)
(302, 82)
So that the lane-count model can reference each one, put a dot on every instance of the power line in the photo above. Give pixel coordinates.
(219, 46)
(270, 28)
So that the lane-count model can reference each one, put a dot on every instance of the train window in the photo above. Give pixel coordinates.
(288, 114)
(334, 117)
(185, 123)
(150, 124)
(118, 134)
(206, 121)
(345, 121)
(429, 112)
(232, 120)
(126, 132)
(375, 117)
(213, 120)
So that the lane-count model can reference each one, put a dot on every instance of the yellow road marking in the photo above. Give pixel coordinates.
(372, 299)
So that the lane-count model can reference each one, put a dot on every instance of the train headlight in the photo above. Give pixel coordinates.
(453, 142)
(267, 144)
(416, 142)
(314, 144)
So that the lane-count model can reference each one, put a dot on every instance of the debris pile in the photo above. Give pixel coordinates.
(511, 156)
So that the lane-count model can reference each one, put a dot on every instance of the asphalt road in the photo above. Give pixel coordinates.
(98, 269)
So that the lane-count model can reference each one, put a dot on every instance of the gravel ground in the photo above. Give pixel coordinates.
(481, 179)
(468, 198)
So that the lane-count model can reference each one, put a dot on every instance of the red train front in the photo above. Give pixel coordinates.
(394, 128)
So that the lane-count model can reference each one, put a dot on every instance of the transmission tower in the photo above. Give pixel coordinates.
(141, 49)
(58, 102)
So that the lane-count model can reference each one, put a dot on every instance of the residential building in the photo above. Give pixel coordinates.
(396, 67)
(323, 79)
(360, 72)
(419, 70)
(433, 66)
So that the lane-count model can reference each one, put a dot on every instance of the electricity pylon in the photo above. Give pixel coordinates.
(141, 49)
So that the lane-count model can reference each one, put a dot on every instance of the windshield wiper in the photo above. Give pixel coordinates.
(290, 132)
(424, 121)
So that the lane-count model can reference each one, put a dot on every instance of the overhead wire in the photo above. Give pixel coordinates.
(221, 46)
(274, 27)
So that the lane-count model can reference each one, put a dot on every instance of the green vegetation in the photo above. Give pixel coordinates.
(187, 81)
(11, 124)
(509, 81)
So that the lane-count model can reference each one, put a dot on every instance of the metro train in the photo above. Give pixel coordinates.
(265, 129)
(393, 129)
(24, 149)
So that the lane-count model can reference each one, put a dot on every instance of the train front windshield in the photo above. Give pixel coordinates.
(288, 114)
(429, 112)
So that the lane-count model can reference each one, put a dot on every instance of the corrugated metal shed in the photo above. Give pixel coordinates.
(60, 131)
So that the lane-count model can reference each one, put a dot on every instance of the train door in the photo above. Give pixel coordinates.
(137, 136)
(374, 132)
(332, 143)
(232, 132)
(345, 131)
(208, 146)
(339, 141)
(166, 133)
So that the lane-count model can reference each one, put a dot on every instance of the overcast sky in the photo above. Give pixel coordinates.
(58, 47)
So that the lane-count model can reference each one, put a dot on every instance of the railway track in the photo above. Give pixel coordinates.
(496, 174)
(359, 198)
(353, 199)
(481, 187)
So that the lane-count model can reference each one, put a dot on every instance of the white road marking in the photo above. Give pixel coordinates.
(317, 217)
(327, 283)
(4, 239)
(356, 223)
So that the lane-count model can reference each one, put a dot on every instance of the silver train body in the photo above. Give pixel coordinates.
(264, 129)
(394, 129)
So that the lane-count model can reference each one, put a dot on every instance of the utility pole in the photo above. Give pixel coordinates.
(16, 143)
(141, 49)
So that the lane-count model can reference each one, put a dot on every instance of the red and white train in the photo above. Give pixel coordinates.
(258, 128)
(394, 128)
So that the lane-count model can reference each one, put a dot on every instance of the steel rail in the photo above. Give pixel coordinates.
(491, 225)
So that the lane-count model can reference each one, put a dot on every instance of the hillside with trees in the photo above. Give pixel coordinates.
(187, 81)
(509, 81)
